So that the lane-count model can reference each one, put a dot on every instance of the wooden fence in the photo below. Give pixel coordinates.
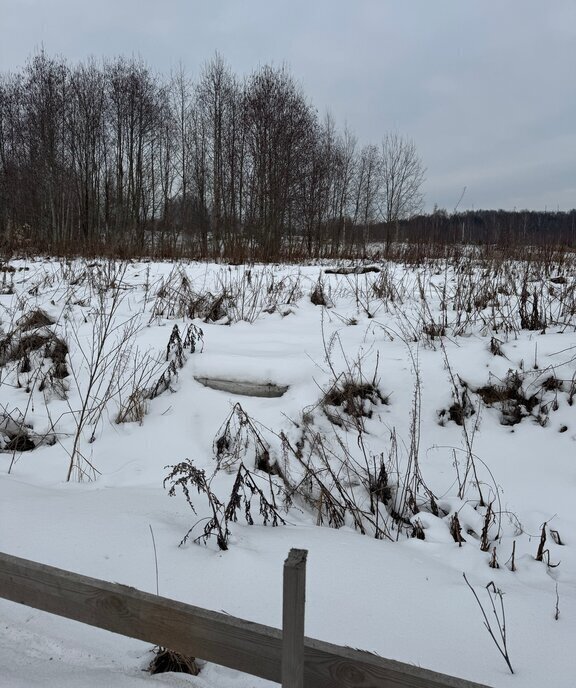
(280, 656)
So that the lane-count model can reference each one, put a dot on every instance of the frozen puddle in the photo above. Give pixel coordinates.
(243, 387)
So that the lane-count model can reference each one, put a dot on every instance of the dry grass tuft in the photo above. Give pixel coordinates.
(167, 660)
(34, 320)
(508, 395)
(355, 398)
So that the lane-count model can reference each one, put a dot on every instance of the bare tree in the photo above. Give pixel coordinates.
(86, 137)
(280, 135)
(402, 175)
(45, 174)
(345, 170)
(218, 109)
(368, 185)
(113, 156)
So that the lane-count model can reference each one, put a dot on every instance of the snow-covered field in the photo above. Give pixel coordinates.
(424, 405)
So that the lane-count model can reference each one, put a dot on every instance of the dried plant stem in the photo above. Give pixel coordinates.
(498, 636)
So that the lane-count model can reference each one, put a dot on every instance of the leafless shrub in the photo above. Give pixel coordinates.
(240, 440)
(134, 408)
(134, 395)
(390, 285)
(177, 298)
(367, 492)
(318, 295)
(100, 370)
(531, 315)
(353, 394)
(326, 479)
(253, 291)
(462, 410)
(360, 285)
(174, 296)
(236, 295)
(176, 350)
(163, 383)
(185, 476)
(414, 494)
(245, 488)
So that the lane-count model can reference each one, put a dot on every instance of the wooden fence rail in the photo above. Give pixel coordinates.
(215, 637)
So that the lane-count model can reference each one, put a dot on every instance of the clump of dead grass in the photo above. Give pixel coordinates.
(509, 397)
(166, 660)
(354, 397)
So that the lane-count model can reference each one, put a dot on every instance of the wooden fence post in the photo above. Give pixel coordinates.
(293, 603)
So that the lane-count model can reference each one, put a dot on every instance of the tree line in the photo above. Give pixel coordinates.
(503, 228)
(108, 154)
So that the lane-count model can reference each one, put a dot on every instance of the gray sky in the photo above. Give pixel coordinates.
(485, 88)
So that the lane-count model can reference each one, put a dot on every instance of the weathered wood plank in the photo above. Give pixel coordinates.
(293, 604)
(215, 637)
(184, 628)
(243, 387)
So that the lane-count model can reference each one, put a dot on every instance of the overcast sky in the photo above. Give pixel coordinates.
(485, 88)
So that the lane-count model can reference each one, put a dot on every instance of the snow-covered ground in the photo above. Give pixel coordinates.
(460, 380)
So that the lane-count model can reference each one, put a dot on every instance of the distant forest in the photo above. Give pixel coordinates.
(109, 157)
(496, 227)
